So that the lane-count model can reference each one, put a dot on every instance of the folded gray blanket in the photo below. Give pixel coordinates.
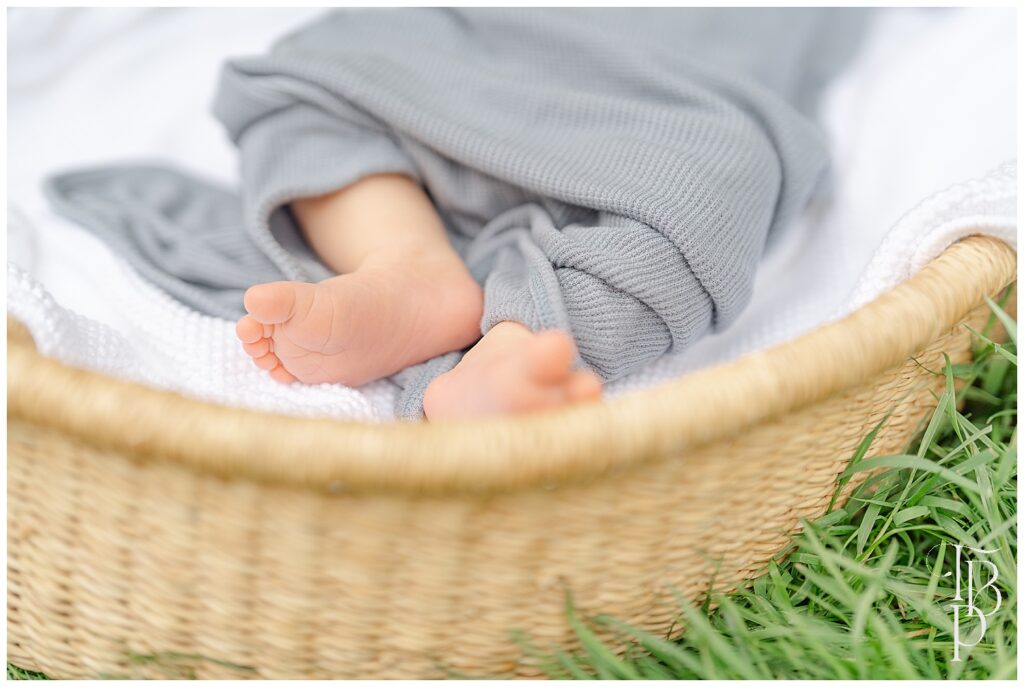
(614, 173)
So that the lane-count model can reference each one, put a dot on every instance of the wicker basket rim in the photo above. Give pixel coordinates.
(579, 442)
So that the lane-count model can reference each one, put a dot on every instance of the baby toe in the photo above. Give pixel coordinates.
(267, 362)
(258, 349)
(584, 385)
(272, 303)
(550, 357)
(249, 330)
(279, 374)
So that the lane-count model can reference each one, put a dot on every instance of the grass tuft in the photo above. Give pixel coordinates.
(865, 591)
(16, 673)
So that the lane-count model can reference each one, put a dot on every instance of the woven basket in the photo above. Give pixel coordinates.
(150, 535)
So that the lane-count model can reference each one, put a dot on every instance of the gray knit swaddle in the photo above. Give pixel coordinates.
(612, 173)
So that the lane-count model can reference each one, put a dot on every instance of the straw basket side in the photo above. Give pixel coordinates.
(158, 551)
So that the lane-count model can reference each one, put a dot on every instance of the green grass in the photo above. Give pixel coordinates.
(861, 593)
(16, 673)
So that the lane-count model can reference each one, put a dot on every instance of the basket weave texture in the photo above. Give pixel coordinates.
(150, 535)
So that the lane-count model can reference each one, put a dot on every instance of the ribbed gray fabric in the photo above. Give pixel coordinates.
(614, 173)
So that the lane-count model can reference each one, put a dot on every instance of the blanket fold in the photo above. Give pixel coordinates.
(612, 173)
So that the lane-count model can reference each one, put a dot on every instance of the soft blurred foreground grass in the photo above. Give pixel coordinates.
(863, 592)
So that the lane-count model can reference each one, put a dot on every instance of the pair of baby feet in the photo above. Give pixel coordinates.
(371, 323)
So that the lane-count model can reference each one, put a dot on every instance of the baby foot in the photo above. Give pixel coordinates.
(361, 326)
(511, 370)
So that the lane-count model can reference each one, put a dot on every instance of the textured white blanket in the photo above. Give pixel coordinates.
(929, 106)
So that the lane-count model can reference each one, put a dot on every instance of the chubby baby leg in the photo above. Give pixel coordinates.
(404, 295)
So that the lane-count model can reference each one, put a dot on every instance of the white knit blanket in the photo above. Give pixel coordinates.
(922, 130)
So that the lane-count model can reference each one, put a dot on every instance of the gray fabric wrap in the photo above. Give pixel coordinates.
(613, 173)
